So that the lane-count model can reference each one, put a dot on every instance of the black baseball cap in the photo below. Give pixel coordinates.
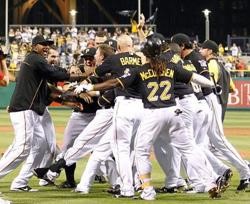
(209, 44)
(181, 39)
(88, 52)
(112, 43)
(39, 39)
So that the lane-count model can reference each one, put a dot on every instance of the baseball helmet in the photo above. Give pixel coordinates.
(152, 47)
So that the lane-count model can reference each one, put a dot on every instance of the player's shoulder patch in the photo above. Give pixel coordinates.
(176, 58)
(126, 73)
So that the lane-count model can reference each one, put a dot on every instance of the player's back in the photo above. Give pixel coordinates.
(118, 65)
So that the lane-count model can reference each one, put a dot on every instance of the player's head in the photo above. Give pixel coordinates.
(152, 47)
(100, 38)
(89, 56)
(182, 40)
(102, 52)
(209, 49)
(40, 45)
(112, 43)
(163, 39)
(53, 55)
(124, 43)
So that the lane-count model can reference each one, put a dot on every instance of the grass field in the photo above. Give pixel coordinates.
(237, 128)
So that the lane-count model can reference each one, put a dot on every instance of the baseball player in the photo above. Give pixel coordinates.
(43, 149)
(78, 120)
(103, 150)
(216, 134)
(155, 81)
(124, 124)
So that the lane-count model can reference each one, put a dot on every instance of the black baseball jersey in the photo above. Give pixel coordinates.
(180, 89)
(118, 65)
(89, 107)
(201, 67)
(157, 92)
(31, 89)
(107, 99)
(188, 65)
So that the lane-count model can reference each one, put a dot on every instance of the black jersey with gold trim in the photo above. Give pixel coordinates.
(157, 91)
(201, 67)
(188, 65)
(118, 65)
(180, 88)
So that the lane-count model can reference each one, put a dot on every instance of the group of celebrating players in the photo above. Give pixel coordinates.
(168, 97)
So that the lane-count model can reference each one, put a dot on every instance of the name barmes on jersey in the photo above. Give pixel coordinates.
(130, 61)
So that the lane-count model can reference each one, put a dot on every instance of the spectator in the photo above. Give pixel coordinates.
(11, 35)
(234, 50)
(221, 50)
(240, 67)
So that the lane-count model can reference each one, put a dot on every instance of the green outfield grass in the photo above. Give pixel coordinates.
(52, 195)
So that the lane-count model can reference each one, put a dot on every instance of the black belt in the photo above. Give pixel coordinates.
(182, 97)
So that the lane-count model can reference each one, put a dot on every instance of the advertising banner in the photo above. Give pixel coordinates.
(241, 97)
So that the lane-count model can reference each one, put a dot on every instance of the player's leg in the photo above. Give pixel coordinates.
(124, 124)
(90, 136)
(39, 146)
(218, 139)
(148, 130)
(23, 123)
(202, 124)
(169, 159)
(77, 123)
(83, 144)
(100, 154)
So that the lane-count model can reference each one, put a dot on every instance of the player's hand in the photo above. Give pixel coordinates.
(86, 97)
(72, 85)
(83, 87)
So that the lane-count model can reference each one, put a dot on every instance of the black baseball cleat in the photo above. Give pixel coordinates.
(220, 182)
(166, 190)
(243, 185)
(67, 184)
(114, 190)
(228, 174)
(24, 189)
(40, 172)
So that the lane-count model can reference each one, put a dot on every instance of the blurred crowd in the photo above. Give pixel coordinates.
(71, 41)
